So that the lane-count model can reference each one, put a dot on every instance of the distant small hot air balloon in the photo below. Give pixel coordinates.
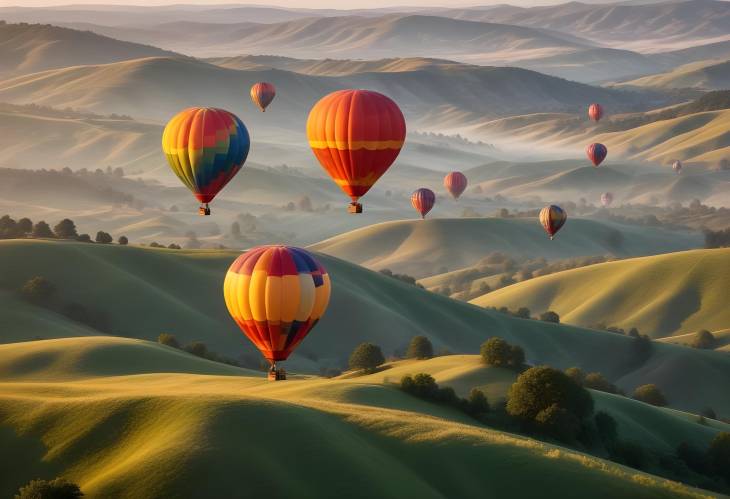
(596, 153)
(356, 135)
(455, 183)
(552, 219)
(205, 148)
(677, 166)
(423, 200)
(595, 112)
(606, 199)
(262, 94)
(276, 294)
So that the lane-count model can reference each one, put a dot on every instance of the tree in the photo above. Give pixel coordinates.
(58, 488)
(8, 228)
(38, 290)
(83, 238)
(596, 381)
(65, 229)
(41, 230)
(305, 204)
(366, 356)
(168, 339)
(496, 352)
(695, 459)
(420, 348)
(103, 237)
(538, 388)
(25, 226)
(550, 316)
(558, 422)
(718, 455)
(197, 348)
(703, 339)
(650, 394)
(123, 241)
(477, 402)
(606, 427)
(576, 374)
(523, 313)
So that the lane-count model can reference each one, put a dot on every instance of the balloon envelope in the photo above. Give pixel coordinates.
(262, 93)
(606, 198)
(276, 295)
(596, 153)
(595, 112)
(455, 183)
(677, 166)
(423, 200)
(356, 135)
(552, 219)
(205, 148)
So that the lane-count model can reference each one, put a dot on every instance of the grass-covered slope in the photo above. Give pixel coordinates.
(662, 295)
(424, 247)
(146, 292)
(157, 435)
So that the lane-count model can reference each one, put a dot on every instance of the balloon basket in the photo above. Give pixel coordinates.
(354, 208)
(277, 375)
(204, 211)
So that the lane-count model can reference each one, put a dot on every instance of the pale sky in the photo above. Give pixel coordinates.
(313, 4)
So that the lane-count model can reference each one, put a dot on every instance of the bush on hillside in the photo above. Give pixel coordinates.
(703, 339)
(103, 237)
(650, 394)
(123, 240)
(58, 488)
(38, 290)
(197, 348)
(367, 357)
(168, 339)
(83, 238)
(596, 381)
(576, 374)
(420, 348)
(423, 386)
(498, 353)
(606, 427)
(550, 316)
(629, 453)
(718, 455)
(692, 457)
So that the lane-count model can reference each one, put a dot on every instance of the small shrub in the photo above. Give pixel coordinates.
(576, 374)
(550, 316)
(197, 348)
(38, 290)
(650, 394)
(123, 240)
(103, 237)
(168, 339)
(703, 339)
(596, 381)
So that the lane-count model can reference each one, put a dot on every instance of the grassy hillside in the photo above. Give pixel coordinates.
(422, 247)
(662, 295)
(156, 434)
(145, 292)
(703, 75)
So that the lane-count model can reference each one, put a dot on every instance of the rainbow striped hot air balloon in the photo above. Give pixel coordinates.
(423, 200)
(276, 294)
(205, 148)
(595, 112)
(262, 93)
(552, 219)
(455, 183)
(356, 135)
(596, 153)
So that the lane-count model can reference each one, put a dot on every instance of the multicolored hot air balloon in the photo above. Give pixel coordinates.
(596, 153)
(595, 112)
(205, 148)
(356, 135)
(677, 166)
(423, 200)
(455, 183)
(262, 93)
(606, 199)
(552, 219)
(276, 294)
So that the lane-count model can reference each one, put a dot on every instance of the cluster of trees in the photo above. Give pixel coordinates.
(717, 239)
(197, 348)
(496, 352)
(58, 488)
(368, 356)
(67, 113)
(65, 229)
(304, 204)
(423, 386)
(402, 277)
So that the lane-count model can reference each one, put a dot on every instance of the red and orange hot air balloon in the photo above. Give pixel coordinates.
(356, 135)
(595, 112)
(596, 153)
(552, 219)
(205, 148)
(262, 93)
(276, 295)
(423, 200)
(455, 183)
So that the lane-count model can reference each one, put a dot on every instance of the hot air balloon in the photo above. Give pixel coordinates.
(455, 183)
(596, 153)
(677, 166)
(595, 112)
(262, 93)
(276, 294)
(205, 147)
(552, 219)
(423, 200)
(356, 135)
(606, 199)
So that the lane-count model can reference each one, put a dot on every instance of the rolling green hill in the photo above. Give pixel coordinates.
(144, 292)
(120, 431)
(662, 295)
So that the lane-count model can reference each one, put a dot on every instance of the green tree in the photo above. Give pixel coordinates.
(366, 356)
(650, 394)
(83, 238)
(41, 230)
(197, 348)
(65, 229)
(523, 312)
(420, 348)
(540, 387)
(168, 339)
(123, 240)
(596, 381)
(558, 422)
(550, 316)
(58, 488)
(703, 339)
(8, 228)
(477, 402)
(103, 237)
(718, 455)
(576, 374)
(606, 427)
(496, 352)
(25, 226)
(38, 290)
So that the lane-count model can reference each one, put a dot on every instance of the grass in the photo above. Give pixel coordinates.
(199, 434)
